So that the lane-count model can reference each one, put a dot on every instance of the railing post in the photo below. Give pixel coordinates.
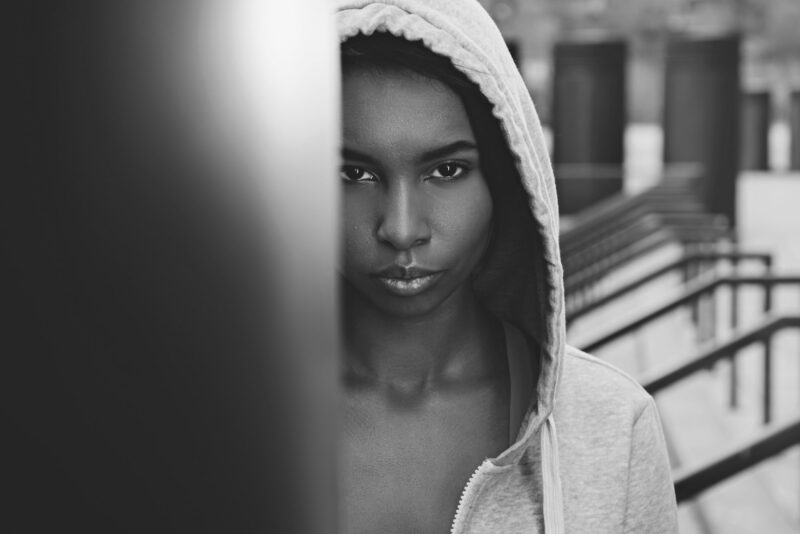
(711, 315)
(768, 379)
(691, 274)
(734, 296)
(734, 376)
(767, 296)
(767, 357)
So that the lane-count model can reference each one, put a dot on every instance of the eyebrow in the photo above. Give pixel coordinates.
(435, 153)
(448, 149)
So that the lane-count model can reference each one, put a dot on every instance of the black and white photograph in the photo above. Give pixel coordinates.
(403, 267)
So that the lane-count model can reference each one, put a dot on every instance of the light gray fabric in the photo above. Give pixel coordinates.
(590, 456)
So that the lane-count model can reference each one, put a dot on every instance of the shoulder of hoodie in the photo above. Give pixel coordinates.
(589, 384)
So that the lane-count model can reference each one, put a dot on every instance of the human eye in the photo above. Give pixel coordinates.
(355, 174)
(449, 170)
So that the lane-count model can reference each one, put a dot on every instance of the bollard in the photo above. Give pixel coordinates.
(701, 115)
(755, 122)
(588, 120)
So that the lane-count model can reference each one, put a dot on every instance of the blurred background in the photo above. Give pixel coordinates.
(674, 130)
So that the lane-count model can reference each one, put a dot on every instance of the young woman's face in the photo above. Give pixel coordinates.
(417, 210)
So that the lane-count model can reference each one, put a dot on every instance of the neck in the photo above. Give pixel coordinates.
(455, 343)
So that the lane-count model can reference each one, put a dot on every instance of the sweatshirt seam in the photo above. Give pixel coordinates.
(628, 480)
(579, 354)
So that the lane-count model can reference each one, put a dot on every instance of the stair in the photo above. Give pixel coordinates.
(699, 423)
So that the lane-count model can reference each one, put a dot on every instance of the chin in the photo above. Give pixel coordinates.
(406, 308)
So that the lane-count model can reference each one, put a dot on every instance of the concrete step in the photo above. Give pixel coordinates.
(698, 431)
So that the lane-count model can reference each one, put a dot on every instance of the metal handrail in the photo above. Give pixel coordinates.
(607, 210)
(598, 265)
(727, 351)
(623, 228)
(704, 361)
(638, 223)
(681, 263)
(578, 237)
(689, 297)
(638, 226)
(690, 483)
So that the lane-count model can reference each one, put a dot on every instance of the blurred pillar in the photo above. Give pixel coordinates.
(794, 120)
(701, 115)
(755, 122)
(588, 121)
(173, 258)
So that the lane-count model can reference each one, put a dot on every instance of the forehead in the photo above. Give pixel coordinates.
(400, 109)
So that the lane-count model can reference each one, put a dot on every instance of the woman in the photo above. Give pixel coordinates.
(456, 370)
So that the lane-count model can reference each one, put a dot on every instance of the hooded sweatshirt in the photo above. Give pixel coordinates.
(589, 456)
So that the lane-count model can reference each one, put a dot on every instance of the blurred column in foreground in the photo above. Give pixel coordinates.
(173, 256)
(701, 115)
(756, 118)
(588, 121)
(794, 121)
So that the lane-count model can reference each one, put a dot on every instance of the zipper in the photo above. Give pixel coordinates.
(467, 491)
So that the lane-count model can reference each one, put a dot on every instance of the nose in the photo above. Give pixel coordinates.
(404, 223)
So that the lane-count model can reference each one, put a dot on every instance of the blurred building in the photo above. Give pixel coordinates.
(771, 49)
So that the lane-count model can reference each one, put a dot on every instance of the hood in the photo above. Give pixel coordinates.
(521, 282)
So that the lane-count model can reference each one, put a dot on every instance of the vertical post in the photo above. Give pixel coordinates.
(701, 116)
(588, 119)
(712, 315)
(767, 297)
(734, 382)
(734, 318)
(794, 122)
(768, 379)
(767, 358)
(755, 122)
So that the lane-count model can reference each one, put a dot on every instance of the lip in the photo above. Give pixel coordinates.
(404, 272)
(407, 281)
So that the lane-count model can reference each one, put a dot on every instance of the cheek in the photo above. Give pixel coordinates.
(356, 229)
(464, 222)
(468, 217)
